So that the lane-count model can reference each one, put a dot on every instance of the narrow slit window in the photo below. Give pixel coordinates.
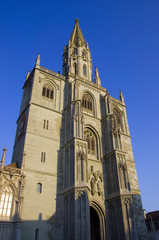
(51, 94)
(43, 156)
(47, 93)
(44, 91)
(39, 187)
(44, 124)
(47, 125)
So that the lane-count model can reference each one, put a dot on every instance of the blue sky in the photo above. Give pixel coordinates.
(124, 40)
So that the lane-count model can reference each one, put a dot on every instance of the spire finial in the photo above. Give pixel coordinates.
(3, 158)
(121, 96)
(76, 21)
(97, 79)
(38, 59)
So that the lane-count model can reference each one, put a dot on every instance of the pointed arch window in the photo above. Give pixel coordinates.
(87, 102)
(89, 136)
(48, 91)
(118, 118)
(6, 202)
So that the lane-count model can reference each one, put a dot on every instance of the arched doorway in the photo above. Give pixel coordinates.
(95, 224)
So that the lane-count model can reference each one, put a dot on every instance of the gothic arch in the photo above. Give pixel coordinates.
(99, 214)
(55, 88)
(7, 201)
(93, 111)
(118, 117)
(97, 138)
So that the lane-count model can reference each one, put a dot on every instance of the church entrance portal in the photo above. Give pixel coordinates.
(95, 225)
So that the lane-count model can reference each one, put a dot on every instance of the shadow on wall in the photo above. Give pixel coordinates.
(36, 230)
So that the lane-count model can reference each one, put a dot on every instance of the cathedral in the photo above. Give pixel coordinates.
(72, 175)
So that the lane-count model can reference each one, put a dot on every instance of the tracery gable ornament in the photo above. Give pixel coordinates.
(80, 193)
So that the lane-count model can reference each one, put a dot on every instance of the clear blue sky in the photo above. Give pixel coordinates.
(124, 40)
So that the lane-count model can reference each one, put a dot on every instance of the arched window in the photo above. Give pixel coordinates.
(6, 202)
(84, 70)
(118, 117)
(48, 91)
(91, 141)
(39, 187)
(87, 102)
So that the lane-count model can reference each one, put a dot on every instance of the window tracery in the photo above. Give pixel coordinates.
(91, 141)
(48, 91)
(118, 118)
(6, 202)
(87, 102)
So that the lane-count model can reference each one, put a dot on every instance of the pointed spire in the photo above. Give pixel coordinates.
(3, 158)
(38, 60)
(97, 79)
(26, 78)
(77, 36)
(121, 96)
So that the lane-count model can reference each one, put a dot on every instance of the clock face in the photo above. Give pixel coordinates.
(21, 127)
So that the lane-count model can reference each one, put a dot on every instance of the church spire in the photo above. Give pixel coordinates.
(77, 58)
(77, 36)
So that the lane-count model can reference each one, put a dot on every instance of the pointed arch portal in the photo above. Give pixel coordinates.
(97, 223)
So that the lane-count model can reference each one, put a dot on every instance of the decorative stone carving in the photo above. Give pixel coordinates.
(80, 193)
(96, 179)
(93, 182)
(127, 200)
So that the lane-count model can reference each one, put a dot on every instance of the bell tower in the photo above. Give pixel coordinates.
(80, 175)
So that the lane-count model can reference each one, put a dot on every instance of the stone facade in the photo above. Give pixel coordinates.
(80, 175)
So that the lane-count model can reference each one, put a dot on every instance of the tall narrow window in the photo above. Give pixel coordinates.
(84, 70)
(39, 187)
(43, 156)
(75, 68)
(46, 124)
(48, 91)
(91, 141)
(118, 118)
(6, 202)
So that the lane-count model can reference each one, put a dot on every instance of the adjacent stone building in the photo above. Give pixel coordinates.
(78, 180)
